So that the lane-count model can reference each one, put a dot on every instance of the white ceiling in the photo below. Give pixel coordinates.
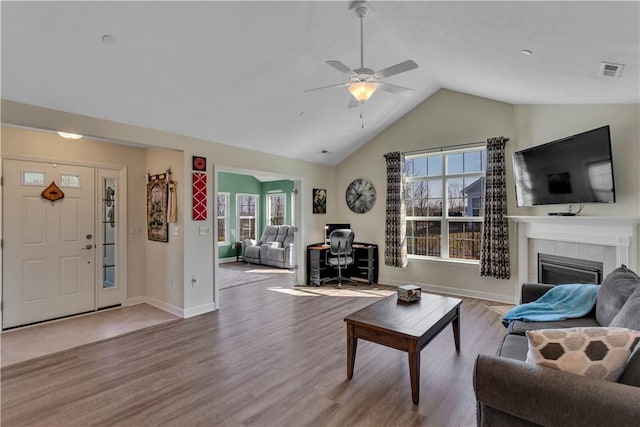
(235, 72)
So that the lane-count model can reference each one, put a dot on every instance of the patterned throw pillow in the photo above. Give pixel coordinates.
(593, 351)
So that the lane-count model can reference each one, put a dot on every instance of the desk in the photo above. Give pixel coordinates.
(364, 267)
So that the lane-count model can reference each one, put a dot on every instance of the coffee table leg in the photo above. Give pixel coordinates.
(456, 329)
(352, 344)
(414, 370)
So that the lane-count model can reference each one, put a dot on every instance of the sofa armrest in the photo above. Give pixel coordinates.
(533, 291)
(249, 242)
(547, 396)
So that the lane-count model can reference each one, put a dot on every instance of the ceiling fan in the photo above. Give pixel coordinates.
(363, 82)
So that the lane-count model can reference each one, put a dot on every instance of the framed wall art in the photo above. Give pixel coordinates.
(157, 224)
(319, 201)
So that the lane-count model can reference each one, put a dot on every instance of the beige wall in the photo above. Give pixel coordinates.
(198, 249)
(164, 261)
(449, 118)
(33, 145)
(446, 118)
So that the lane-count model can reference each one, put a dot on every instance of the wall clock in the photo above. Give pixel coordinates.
(360, 195)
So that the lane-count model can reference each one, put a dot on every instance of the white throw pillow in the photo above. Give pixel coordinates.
(595, 352)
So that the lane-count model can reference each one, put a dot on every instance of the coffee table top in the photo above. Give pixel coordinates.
(413, 319)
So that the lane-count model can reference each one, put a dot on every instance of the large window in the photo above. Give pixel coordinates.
(276, 205)
(223, 218)
(247, 208)
(445, 203)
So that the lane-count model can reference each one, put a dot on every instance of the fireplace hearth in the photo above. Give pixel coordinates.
(558, 270)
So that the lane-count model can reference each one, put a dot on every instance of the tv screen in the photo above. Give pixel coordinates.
(576, 169)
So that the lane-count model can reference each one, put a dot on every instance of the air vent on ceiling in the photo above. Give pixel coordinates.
(609, 69)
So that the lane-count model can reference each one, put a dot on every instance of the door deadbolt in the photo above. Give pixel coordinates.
(89, 236)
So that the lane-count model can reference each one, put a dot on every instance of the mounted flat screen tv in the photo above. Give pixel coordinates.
(576, 169)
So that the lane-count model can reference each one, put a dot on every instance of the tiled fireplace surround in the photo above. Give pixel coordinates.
(610, 240)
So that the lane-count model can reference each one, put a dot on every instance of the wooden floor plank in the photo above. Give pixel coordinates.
(265, 358)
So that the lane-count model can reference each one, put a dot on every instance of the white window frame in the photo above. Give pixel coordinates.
(284, 207)
(256, 217)
(227, 222)
(445, 220)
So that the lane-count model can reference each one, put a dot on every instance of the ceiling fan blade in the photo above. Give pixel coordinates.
(340, 67)
(352, 102)
(395, 89)
(397, 69)
(327, 87)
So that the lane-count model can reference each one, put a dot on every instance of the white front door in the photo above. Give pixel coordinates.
(49, 247)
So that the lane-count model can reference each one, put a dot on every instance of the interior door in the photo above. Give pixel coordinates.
(49, 247)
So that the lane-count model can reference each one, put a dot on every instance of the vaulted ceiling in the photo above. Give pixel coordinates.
(236, 72)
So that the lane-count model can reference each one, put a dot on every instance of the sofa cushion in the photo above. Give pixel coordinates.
(614, 292)
(600, 353)
(631, 374)
(283, 230)
(629, 314)
(520, 327)
(269, 234)
(514, 347)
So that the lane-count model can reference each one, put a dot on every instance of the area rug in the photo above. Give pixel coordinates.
(237, 274)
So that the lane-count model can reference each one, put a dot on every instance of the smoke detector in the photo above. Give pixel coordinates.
(610, 69)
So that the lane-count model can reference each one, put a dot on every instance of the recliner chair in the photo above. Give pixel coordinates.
(340, 253)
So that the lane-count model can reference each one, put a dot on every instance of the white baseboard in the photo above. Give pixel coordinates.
(470, 293)
(135, 300)
(169, 308)
(201, 309)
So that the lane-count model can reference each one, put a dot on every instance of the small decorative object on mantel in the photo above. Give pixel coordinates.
(157, 225)
(52, 193)
(409, 293)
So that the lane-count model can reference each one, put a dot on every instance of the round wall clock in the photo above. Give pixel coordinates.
(360, 195)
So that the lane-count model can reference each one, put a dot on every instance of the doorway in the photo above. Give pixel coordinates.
(61, 255)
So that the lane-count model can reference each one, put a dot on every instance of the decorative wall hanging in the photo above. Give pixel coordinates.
(199, 180)
(52, 192)
(157, 225)
(319, 201)
(199, 163)
(173, 198)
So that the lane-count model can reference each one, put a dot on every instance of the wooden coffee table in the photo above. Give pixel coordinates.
(404, 326)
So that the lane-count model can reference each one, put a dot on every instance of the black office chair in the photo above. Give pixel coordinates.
(340, 254)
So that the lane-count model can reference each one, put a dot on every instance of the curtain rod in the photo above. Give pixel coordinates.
(446, 147)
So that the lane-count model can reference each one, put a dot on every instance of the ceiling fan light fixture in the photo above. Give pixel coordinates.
(362, 91)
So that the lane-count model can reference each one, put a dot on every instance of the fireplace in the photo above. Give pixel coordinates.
(557, 270)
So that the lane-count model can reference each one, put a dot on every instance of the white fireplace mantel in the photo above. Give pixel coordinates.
(620, 233)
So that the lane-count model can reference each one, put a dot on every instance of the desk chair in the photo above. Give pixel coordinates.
(340, 254)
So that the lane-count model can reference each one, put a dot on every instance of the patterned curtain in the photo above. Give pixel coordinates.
(494, 254)
(395, 253)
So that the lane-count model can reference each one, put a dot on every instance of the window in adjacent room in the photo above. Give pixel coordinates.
(276, 205)
(223, 218)
(247, 208)
(444, 196)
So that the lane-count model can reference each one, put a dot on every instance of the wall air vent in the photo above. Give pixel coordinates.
(609, 69)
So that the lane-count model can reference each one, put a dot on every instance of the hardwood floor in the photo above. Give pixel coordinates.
(272, 355)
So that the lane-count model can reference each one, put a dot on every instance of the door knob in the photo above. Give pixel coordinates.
(88, 246)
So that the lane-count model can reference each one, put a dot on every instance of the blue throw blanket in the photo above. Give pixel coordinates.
(559, 303)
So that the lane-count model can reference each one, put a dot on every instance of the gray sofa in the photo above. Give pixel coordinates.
(275, 247)
(512, 392)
